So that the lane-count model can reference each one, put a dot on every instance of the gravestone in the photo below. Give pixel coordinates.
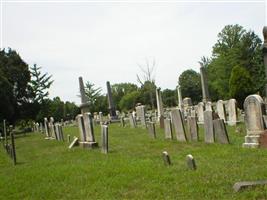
(232, 112)
(88, 126)
(84, 106)
(159, 104)
(122, 121)
(192, 129)
(111, 105)
(187, 102)
(221, 110)
(208, 106)
(166, 158)
(52, 128)
(75, 142)
(208, 127)
(132, 120)
(254, 111)
(100, 118)
(191, 164)
(151, 129)
(220, 131)
(246, 184)
(141, 114)
(59, 132)
(200, 112)
(161, 121)
(180, 98)
(47, 132)
(81, 127)
(168, 128)
(104, 133)
(178, 123)
(204, 85)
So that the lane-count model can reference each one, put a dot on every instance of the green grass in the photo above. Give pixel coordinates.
(133, 169)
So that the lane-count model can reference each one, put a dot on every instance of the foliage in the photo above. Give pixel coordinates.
(129, 100)
(190, 84)
(169, 97)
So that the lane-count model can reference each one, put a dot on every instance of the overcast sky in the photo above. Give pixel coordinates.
(105, 41)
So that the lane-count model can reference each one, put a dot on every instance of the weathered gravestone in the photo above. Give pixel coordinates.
(132, 120)
(178, 123)
(180, 98)
(208, 127)
(166, 158)
(141, 114)
(220, 131)
(232, 112)
(191, 164)
(192, 129)
(204, 84)
(159, 104)
(246, 184)
(122, 121)
(221, 110)
(104, 133)
(254, 110)
(47, 132)
(52, 128)
(168, 128)
(161, 122)
(111, 105)
(59, 132)
(200, 112)
(208, 106)
(151, 129)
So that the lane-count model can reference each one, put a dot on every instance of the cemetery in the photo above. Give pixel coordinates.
(205, 139)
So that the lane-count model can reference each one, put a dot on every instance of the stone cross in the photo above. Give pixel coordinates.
(111, 106)
(104, 133)
(159, 103)
(254, 111)
(204, 85)
(264, 49)
(178, 123)
(208, 127)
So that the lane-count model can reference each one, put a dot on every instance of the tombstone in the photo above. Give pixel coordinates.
(151, 129)
(254, 111)
(88, 126)
(84, 106)
(191, 164)
(200, 112)
(248, 184)
(232, 112)
(208, 106)
(187, 102)
(111, 106)
(122, 122)
(37, 127)
(192, 128)
(161, 121)
(220, 131)
(166, 158)
(81, 127)
(59, 132)
(47, 132)
(132, 120)
(178, 123)
(168, 128)
(180, 98)
(100, 117)
(208, 127)
(159, 104)
(141, 114)
(52, 128)
(104, 133)
(204, 85)
(75, 142)
(221, 110)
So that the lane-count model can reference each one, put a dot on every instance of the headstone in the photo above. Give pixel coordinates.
(111, 106)
(221, 110)
(187, 102)
(208, 106)
(141, 114)
(191, 164)
(104, 133)
(220, 131)
(245, 184)
(151, 129)
(101, 118)
(180, 98)
(47, 133)
(74, 142)
(161, 122)
(168, 128)
(204, 85)
(159, 104)
(132, 120)
(59, 132)
(81, 127)
(254, 111)
(200, 112)
(192, 128)
(166, 158)
(122, 122)
(178, 123)
(88, 125)
(208, 127)
(232, 112)
(52, 128)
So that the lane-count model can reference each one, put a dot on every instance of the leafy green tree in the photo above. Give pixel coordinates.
(169, 97)
(129, 100)
(240, 84)
(190, 84)
(147, 97)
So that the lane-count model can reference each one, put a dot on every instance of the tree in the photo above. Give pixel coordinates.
(190, 84)
(129, 100)
(240, 84)
(148, 80)
(169, 97)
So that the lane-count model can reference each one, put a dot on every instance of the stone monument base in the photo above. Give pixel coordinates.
(251, 141)
(89, 145)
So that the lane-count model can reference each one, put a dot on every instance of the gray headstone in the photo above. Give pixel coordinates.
(232, 112)
(141, 114)
(151, 129)
(200, 112)
(47, 133)
(81, 127)
(180, 98)
(208, 127)
(104, 133)
(122, 122)
(168, 128)
(178, 123)
(166, 158)
(245, 184)
(191, 164)
(132, 120)
(159, 103)
(220, 131)
(221, 110)
(89, 129)
(192, 128)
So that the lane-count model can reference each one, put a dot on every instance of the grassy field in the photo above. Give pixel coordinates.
(133, 169)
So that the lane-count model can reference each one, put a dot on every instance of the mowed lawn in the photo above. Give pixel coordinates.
(133, 169)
